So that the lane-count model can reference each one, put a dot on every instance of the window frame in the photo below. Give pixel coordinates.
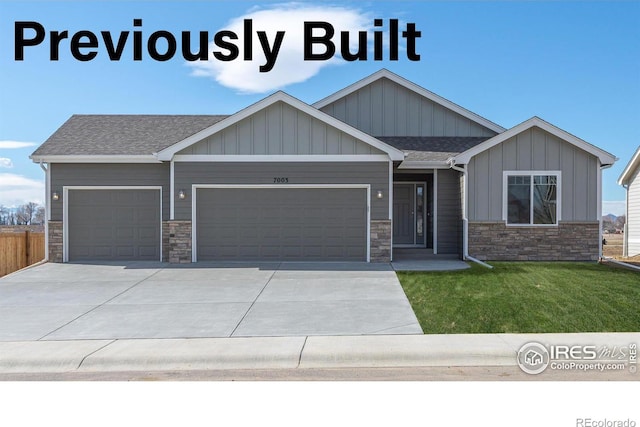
(531, 174)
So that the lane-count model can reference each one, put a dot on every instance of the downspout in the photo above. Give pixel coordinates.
(625, 237)
(47, 215)
(599, 212)
(465, 219)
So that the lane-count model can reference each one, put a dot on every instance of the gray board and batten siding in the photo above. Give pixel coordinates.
(534, 150)
(280, 129)
(375, 174)
(449, 212)
(385, 108)
(103, 174)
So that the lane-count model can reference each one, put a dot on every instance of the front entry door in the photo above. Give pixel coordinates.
(409, 214)
(403, 214)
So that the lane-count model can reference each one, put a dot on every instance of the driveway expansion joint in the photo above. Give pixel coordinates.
(301, 351)
(275, 270)
(100, 305)
(94, 352)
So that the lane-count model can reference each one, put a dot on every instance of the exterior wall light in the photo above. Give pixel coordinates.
(379, 195)
(182, 195)
(55, 196)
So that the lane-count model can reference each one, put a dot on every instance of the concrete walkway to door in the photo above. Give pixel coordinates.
(155, 300)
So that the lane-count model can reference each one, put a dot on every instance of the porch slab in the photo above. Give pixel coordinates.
(420, 259)
(429, 265)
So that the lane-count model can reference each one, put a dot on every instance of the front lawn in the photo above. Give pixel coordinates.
(521, 297)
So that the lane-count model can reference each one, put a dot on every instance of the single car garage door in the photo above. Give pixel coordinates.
(121, 224)
(305, 224)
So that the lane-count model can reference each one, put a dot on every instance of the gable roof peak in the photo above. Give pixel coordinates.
(279, 96)
(385, 73)
(605, 157)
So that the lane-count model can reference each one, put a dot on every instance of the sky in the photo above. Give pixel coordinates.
(574, 64)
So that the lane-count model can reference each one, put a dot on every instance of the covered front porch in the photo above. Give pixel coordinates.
(427, 215)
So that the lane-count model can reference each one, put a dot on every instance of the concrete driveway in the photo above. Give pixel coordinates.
(154, 300)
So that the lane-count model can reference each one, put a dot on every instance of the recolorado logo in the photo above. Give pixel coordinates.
(320, 43)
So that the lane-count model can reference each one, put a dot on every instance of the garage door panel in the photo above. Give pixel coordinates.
(125, 251)
(96, 234)
(312, 252)
(100, 251)
(148, 251)
(281, 223)
(147, 233)
(124, 233)
(248, 251)
(114, 224)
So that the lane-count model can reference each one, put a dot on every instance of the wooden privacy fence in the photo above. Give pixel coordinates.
(19, 250)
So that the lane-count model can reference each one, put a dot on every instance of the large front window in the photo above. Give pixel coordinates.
(532, 199)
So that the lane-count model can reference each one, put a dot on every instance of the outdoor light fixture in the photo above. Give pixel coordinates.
(55, 195)
(379, 195)
(182, 195)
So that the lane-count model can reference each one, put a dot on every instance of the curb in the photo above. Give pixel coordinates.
(373, 351)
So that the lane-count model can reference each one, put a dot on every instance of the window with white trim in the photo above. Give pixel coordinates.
(531, 198)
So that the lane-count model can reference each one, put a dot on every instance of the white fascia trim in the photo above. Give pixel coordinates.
(282, 158)
(412, 87)
(630, 169)
(48, 200)
(47, 191)
(97, 159)
(65, 209)
(599, 210)
(172, 201)
(194, 187)
(605, 157)
(168, 153)
(435, 213)
(423, 164)
(390, 195)
(557, 174)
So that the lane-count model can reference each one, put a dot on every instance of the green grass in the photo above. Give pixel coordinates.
(522, 297)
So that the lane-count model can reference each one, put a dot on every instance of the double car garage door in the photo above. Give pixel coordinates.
(284, 223)
(281, 224)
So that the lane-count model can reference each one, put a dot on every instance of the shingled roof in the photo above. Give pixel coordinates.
(104, 135)
(97, 135)
(432, 148)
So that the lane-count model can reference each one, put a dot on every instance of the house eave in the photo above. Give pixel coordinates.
(119, 158)
(630, 169)
(423, 164)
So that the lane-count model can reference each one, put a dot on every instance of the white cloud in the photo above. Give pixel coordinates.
(16, 190)
(616, 207)
(290, 66)
(15, 144)
(5, 163)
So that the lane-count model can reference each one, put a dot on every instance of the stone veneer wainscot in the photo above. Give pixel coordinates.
(380, 241)
(177, 235)
(55, 241)
(569, 241)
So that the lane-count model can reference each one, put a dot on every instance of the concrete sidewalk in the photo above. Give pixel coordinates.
(284, 352)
